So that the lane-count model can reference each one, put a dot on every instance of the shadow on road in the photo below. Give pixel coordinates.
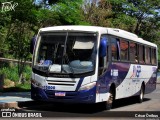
(127, 101)
(75, 108)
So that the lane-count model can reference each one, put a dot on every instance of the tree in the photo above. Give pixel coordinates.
(4, 23)
(145, 13)
(69, 11)
(108, 13)
(19, 32)
(3, 33)
(97, 12)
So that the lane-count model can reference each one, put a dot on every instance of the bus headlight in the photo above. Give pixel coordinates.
(87, 86)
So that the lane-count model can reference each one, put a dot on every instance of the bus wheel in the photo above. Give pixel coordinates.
(141, 95)
(109, 103)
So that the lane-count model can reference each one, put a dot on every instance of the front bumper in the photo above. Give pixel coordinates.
(85, 96)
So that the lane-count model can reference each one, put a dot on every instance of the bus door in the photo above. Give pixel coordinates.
(102, 69)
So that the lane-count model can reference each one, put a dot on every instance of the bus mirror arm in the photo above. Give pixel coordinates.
(32, 43)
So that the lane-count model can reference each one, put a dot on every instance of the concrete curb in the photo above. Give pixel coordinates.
(9, 105)
(14, 99)
(19, 104)
(158, 81)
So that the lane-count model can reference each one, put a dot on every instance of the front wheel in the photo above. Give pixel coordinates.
(109, 103)
(141, 95)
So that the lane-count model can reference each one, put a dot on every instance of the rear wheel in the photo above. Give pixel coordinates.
(109, 103)
(141, 95)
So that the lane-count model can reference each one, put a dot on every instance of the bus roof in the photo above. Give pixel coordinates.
(101, 30)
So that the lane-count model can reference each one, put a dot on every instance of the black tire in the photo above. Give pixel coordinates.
(141, 94)
(109, 103)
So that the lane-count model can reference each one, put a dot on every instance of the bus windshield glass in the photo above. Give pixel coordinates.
(65, 52)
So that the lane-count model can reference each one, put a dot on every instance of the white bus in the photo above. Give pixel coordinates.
(89, 64)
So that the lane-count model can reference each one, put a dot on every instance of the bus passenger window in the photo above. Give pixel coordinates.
(124, 49)
(153, 56)
(114, 49)
(147, 55)
(133, 55)
(141, 54)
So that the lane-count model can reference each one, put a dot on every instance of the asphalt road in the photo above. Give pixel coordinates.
(123, 107)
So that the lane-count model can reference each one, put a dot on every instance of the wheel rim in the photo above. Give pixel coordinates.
(141, 95)
(110, 101)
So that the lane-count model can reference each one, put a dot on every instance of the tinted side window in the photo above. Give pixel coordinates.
(147, 55)
(153, 58)
(114, 49)
(141, 54)
(124, 49)
(133, 52)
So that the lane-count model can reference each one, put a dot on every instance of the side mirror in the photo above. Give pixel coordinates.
(103, 47)
(32, 43)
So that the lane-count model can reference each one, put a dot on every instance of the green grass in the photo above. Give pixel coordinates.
(10, 71)
(19, 88)
(26, 86)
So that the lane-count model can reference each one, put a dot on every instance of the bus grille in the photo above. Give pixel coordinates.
(60, 82)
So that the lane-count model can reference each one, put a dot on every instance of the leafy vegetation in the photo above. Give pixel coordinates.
(19, 88)
(18, 26)
(11, 78)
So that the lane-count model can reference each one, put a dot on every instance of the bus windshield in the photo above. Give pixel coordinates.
(65, 52)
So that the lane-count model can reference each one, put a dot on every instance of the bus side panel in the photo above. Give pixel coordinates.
(120, 74)
(151, 84)
(137, 74)
(115, 74)
(127, 78)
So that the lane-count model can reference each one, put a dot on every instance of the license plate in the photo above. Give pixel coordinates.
(60, 94)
